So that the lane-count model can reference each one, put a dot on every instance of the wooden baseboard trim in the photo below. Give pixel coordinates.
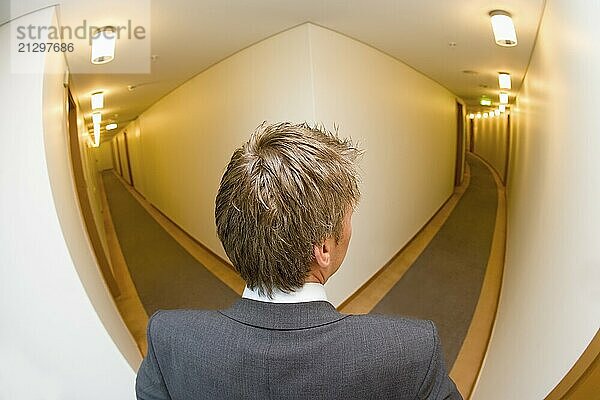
(578, 382)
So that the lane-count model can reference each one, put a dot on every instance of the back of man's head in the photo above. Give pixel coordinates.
(284, 191)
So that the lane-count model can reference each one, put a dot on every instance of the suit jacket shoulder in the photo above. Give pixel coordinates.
(291, 351)
(415, 345)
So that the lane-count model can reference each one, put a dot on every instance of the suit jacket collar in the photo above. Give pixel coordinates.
(282, 316)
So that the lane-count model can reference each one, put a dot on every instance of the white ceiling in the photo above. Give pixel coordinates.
(189, 36)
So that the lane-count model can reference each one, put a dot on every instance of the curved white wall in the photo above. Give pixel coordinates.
(181, 145)
(550, 303)
(490, 141)
(407, 123)
(54, 305)
(188, 136)
(101, 156)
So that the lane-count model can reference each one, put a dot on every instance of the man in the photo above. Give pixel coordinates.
(283, 213)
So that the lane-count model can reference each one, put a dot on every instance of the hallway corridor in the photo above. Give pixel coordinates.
(444, 283)
(451, 267)
(164, 274)
(479, 182)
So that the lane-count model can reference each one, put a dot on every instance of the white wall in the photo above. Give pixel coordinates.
(188, 136)
(490, 141)
(407, 123)
(54, 341)
(550, 303)
(102, 156)
(405, 120)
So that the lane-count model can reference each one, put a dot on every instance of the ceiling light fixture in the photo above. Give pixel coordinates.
(502, 108)
(97, 100)
(504, 29)
(485, 115)
(103, 45)
(478, 115)
(471, 116)
(96, 117)
(503, 98)
(110, 127)
(504, 80)
(485, 101)
(496, 112)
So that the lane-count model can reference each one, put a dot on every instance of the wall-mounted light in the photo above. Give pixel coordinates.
(96, 117)
(502, 108)
(97, 100)
(103, 45)
(110, 127)
(503, 98)
(471, 116)
(478, 115)
(496, 112)
(485, 115)
(504, 29)
(485, 101)
(504, 80)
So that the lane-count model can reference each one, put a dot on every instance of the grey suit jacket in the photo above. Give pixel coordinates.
(257, 350)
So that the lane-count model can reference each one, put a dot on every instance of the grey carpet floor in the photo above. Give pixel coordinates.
(444, 283)
(165, 275)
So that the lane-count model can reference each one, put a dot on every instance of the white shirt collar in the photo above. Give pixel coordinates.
(308, 292)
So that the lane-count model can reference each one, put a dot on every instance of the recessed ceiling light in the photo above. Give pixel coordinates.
(504, 29)
(497, 112)
(503, 98)
(97, 100)
(96, 117)
(485, 115)
(504, 80)
(471, 116)
(485, 101)
(502, 108)
(103, 45)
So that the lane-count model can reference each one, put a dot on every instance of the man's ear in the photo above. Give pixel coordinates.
(323, 254)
